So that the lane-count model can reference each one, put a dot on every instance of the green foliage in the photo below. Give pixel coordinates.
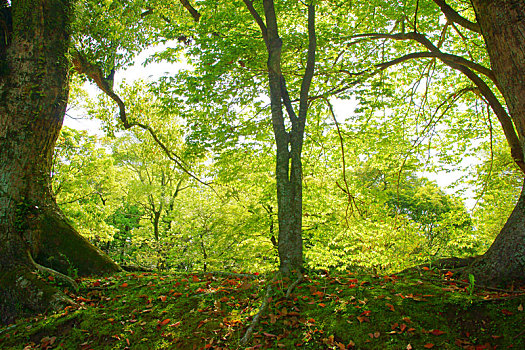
(84, 183)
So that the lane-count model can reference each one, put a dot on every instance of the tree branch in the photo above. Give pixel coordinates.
(423, 40)
(310, 64)
(455, 17)
(258, 20)
(194, 13)
(94, 73)
(485, 91)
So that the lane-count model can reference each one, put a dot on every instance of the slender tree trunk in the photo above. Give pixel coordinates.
(288, 171)
(502, 24)
(33, 97)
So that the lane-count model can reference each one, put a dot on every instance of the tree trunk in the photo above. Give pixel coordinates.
(33, 97)
(288, 171)
(502, 24)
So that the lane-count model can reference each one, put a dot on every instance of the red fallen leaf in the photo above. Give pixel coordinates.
(352, 285)
(200, 290)
(496, 336)
(352, 280)
(362, 319)
(83, 299)
(176, 324)
(51, 278)
(391, 307)
(428, 346)
(425, 268)
(270, 335)
(207, 346)
(162, 298)
(177, 294)
(366, 313)
(322, 305)
(195, 279)
(124, 285)
(506, 312)
(449, 274)
(96, 283)
(165, 322)
(436, 332)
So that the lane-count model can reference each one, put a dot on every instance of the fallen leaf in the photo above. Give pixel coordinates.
(362, 319)
(506, 312)
(436, 332)
(162, 298)
(269, 335)
(391, 307)
(124, 285)
(428, 346)
(163, 323)
(520, 308)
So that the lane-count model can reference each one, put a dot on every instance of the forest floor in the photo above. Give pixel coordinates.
(422, 309)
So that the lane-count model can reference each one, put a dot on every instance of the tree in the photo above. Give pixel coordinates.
(34, 90)
(288, 172)
(502, 24)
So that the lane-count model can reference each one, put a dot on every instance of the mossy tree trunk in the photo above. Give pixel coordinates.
(33, 96)
(502, 24)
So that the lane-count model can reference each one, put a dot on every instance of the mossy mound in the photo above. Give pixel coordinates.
(413, 310)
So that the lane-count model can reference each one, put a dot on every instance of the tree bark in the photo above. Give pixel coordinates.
(288, 171)
(502, 25)
(33, 97)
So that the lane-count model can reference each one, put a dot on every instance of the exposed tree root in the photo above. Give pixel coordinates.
(247, 336)
(299, 279)
(24, 293)
(53, 273)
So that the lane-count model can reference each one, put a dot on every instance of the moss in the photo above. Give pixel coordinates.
(65, 250)
(22, 292)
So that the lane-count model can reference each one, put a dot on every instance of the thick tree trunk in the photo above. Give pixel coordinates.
(504, 262)
(33, 97)
(502, 24)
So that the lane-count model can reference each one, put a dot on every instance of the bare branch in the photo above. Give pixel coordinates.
(455, 17)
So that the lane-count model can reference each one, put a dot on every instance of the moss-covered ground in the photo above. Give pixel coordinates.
(422, 309)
